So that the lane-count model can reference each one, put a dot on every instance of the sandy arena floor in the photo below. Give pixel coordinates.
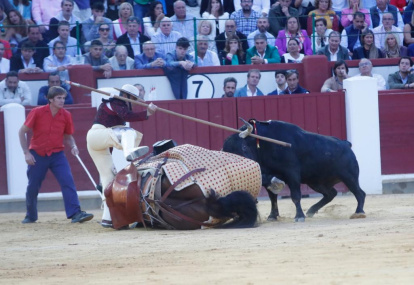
(327, 249)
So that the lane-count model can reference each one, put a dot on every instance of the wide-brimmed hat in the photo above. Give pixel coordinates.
(130, 90)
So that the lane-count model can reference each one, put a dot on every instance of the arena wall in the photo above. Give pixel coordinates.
(321, 113)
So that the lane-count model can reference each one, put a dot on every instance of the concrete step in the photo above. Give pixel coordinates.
(398, 184)
(89, 200)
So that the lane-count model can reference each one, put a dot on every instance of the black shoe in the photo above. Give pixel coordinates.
(27, 220)
(81, 217)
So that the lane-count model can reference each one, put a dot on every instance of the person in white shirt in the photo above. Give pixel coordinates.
(293, 55)
(334, 51)
(165, 38)
(71, 43)
(262, 28)
(321, 34)
(154, 16)
(250, 89)
(365, 69)
(382, 30)
(216, 14)
(182, 22)
(4, 62)
(205, 56)
(14, 91)
(58, 61)
(64, 15)
(378, 11)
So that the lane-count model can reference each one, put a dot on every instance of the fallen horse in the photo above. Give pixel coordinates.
(186, 187)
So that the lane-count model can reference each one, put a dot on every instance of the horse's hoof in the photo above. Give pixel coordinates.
(300, 220)
(358, 216)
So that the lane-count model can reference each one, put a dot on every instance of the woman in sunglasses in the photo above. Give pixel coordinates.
(108, 43)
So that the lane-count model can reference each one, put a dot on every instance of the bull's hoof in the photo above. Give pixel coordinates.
(300, 220)
(272, 218)
(358, 216)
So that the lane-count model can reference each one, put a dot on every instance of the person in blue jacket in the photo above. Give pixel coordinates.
(250, 89)
(53, 80)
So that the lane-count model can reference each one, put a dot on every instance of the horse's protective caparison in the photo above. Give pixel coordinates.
(186, 187)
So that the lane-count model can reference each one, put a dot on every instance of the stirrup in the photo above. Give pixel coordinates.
(138, 152)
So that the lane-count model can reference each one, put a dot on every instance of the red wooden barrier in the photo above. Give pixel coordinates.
(397, 132)
(323, 113)
(163, 126)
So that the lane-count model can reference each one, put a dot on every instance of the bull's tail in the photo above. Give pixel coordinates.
(238, 205)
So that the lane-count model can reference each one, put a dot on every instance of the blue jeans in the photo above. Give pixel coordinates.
(60, 168)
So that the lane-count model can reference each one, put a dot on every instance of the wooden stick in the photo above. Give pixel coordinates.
(141, 103)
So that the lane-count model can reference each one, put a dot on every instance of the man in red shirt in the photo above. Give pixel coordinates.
(108, 131)
(51, 125)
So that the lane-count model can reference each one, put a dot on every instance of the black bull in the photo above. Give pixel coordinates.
(316, 160)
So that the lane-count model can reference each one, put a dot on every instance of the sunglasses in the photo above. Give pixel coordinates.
(104, 29)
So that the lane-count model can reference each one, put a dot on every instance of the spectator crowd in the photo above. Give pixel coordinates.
(51, 36)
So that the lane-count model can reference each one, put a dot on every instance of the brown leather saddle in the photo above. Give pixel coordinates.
(123, 198)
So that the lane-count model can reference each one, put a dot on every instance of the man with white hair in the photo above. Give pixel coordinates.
(205, 56)
(365, 69)
(121, 60)
(149, 58)
(182, 22)
(387, 27)
(165, 38)
(108, 131)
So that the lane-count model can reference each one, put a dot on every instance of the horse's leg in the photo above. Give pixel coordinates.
(328, 193)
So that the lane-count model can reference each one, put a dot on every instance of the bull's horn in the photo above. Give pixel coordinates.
(248, 131)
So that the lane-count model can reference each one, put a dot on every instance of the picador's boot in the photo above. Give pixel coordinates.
(128, 144)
